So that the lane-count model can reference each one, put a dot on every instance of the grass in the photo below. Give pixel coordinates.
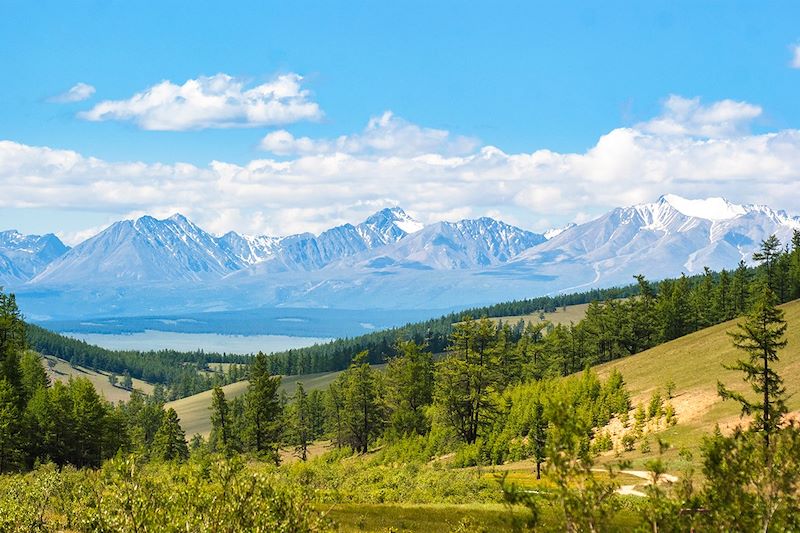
(61, 370)
(694, 363)
(562, 315)
(442, 518)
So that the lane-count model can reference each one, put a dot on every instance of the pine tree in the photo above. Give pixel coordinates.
(127, 381)
(220, 422)
(538, 436)
(768, 256)
(89, 413)
(169, 443)
(33, 375)
(335, 409)
(740, 288)
(761, 336)
(12, 344)
(467, 379)
(263, 408)
(363, 410)
(11, 453)
(794, 266)
(301, 425)
(409, 379)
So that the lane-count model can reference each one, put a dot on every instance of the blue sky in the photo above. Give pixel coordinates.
(521, 77)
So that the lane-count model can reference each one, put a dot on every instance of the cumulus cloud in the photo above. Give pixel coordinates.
(219, 101)
(314, 190)
(77, 93)
(387, 133)
(795, 63)
(687, 116)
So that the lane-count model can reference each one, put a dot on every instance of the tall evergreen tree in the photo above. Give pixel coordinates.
(467, 379)
(220, 422)
(263, 408)
(761, 336)
(169, 443)
(301, 430)
(12, 344)
(89, 417)
(768, 255)
(11, 451)
(363, 409)
(409, 384)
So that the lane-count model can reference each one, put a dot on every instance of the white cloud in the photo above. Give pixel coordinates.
(386, 134)
(687, 116)
(77, 93)
(795, 63)
(310, 192)
(218, 101)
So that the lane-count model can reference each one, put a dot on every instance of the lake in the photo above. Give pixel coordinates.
(185, 342)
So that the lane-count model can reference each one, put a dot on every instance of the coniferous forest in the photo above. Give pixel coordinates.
(457, 396)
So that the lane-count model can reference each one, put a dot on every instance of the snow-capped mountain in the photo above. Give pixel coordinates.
(307, 252)
(142, 250)
(24, 256)
(664, 238)
(461, 245)
(387, 261)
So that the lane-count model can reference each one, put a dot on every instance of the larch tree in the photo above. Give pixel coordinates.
(263, 409)
(169, 443)
(761, 336)
(220, 422)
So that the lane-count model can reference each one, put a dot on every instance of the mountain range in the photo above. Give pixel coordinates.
(388, 261)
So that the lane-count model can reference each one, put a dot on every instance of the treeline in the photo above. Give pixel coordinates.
(434, 333)
(181, 373)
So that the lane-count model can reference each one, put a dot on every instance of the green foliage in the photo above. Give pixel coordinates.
(656, 406)
(301, 428)
(752, 487)
(362, 407)
(263, 410)
(221, 440)
(169, 443)
(126, 496)
(760, 336)
(409, 389)
(468, 378)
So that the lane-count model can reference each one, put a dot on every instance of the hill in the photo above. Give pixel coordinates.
(61, 370)
(694, 363)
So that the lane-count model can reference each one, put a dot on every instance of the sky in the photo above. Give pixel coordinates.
(275, 118)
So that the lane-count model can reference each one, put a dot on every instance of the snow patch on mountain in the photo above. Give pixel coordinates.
(555, 232)
(709, 208)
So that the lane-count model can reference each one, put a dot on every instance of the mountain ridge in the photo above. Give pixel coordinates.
(389, 260)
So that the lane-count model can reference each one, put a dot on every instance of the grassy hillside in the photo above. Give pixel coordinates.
(58, 369)
(694, 364)
(194, 410)
(562, 315)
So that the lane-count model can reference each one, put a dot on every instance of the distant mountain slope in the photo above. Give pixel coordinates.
(144, 250)
(24, 256)
(456, 246)
(664, 237)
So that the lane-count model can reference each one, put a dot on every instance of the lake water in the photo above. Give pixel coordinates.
(185, 342)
